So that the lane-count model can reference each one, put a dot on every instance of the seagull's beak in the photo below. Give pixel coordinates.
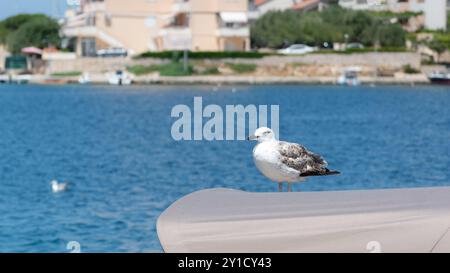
(251, 137)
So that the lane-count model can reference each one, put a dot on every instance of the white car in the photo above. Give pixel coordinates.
(354, 46)
(297, 49)
(112, 52)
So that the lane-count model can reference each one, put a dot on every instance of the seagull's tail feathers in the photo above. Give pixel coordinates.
(320, 172)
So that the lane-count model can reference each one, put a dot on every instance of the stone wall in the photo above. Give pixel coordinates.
(95, 65)
(380, 60)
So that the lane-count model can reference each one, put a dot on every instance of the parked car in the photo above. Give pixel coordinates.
(112, 52)
(297, 49)
(355, 46)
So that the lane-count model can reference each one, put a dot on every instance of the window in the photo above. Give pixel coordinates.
(150, 22)
(108, 20)
(88, 47)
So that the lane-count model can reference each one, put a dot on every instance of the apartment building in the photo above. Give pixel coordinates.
(156, 25)
(435, 11)
(260, 7)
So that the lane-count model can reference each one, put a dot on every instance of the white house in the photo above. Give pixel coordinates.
(435, 11)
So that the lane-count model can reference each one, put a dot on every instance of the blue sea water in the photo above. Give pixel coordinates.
(114, 145)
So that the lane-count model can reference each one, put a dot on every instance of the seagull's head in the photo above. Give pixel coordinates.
(262, 134)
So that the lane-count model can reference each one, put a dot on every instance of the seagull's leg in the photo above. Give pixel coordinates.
(289, 187)
(280, 186)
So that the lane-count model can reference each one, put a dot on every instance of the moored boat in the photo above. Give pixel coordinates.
(439, 77)
(349, 76)
(120, 78)
(84, 78)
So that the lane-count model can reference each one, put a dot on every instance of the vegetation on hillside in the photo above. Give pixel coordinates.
(23, 30)
(277, 29)
(174, 68)
(67, 74)
(168, 69)
(241, 68)
(440, 40)
(177, 55)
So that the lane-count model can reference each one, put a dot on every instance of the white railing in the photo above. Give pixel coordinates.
(91, 31)
(76, 21)
(176, 38)
(233, 32)
(175, 31)
(94, 6)
(181, 6)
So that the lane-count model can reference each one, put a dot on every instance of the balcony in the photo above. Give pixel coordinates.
(80, 20)
(94, 6)
(76, 21)
(243, 31)
(176, 38)
(233, 24)
(181, 6)
(91, 32)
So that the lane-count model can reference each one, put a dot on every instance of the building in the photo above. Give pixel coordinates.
(263, 6)
(156, 25)
(435, 11)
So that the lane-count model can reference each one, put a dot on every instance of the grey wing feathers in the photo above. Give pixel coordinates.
(299, 158)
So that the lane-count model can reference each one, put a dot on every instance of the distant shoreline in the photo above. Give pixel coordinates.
(233, 80)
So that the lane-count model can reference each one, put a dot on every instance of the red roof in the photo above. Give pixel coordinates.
(32, 50)
(297, 6)
(260, 2)
(304, 4)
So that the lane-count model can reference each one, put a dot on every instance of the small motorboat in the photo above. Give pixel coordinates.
(349, 77)
(120, 78)
(439, 77)
(15, 79)
(84, 78)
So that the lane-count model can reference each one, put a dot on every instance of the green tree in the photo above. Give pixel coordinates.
(388, 35)
(437, 46)
(392, 35)
(280, 28)
(3, 33)
(12, 23)
(38, 31)
(275, 29)
(359, 22)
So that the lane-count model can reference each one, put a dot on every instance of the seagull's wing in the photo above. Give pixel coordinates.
(297, 157)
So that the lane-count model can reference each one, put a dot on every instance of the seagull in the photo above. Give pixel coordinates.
(58, 187)
(285, 162)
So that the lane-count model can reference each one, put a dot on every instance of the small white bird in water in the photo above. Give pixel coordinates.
(58, 187)
(285, 162)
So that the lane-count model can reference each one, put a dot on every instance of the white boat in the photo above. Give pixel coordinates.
(120, 77)
(350, 76)
(84, 78)
(387, 220)
(439, 77)
(15, 79)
